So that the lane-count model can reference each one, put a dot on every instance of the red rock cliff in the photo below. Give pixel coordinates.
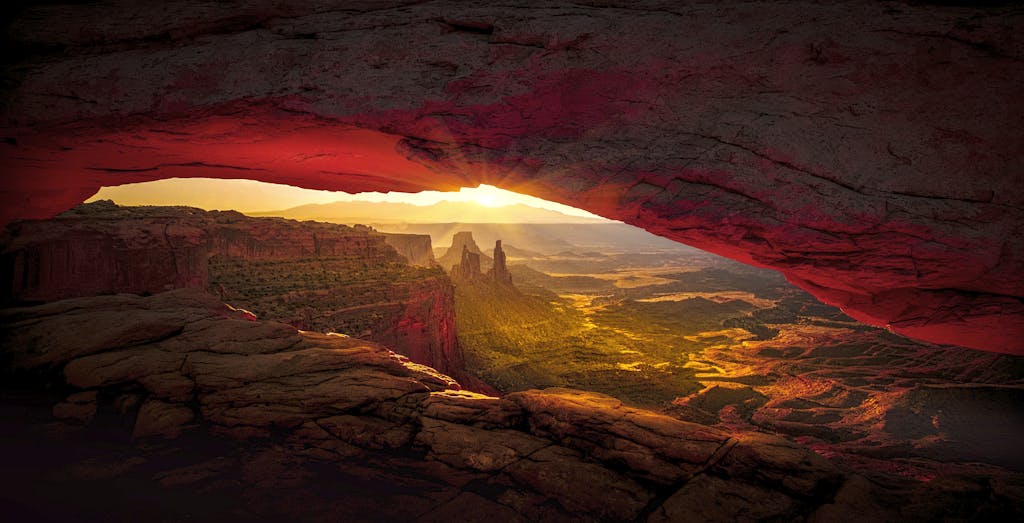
(315, 276)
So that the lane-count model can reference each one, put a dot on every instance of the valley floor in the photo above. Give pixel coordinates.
(713, 341)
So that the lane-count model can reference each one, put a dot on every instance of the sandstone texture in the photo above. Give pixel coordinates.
(329, 428)
(871, 151)
(315, 276)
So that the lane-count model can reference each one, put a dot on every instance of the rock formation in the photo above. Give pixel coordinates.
(499, 272)
(468, 269)
(316, 276)
(463, 241)
(178, 372)
(416, 248)
(879, 171)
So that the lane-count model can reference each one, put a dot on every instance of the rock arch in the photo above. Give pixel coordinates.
(871, 151)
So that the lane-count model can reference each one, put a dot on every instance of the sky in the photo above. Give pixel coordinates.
(253, 196)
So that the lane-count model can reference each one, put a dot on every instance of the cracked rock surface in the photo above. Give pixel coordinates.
(871, 151)
(239, 420)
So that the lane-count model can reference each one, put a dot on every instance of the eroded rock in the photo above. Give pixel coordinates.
(307, 410)
(880, 171)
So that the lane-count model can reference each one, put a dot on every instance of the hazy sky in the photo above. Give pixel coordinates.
(253, 196)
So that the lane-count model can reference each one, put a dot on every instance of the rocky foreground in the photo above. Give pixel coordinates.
(177, 407)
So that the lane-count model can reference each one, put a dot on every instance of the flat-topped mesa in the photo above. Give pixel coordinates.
(416, 248)
(499, 272)
(314, 276)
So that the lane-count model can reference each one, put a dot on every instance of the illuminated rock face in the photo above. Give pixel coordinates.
(880, 170)
(314, 276)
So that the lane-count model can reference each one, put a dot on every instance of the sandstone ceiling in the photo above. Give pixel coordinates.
(871, 151)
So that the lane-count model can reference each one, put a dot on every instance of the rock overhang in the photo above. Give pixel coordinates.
(880, 170)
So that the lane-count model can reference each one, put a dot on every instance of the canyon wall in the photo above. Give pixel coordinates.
(416, 248)
(871, 151)
(315, 276)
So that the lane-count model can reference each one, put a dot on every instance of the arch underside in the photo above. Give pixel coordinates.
(880, 171)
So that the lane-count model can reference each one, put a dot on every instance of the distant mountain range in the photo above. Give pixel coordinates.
(441, 212)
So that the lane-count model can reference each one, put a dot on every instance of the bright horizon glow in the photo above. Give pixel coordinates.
(254, 196)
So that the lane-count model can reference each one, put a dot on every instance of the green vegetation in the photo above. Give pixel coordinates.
(534, 339)
(622, 324)
(339, 294)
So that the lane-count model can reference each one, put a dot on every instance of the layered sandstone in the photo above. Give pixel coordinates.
(880, 170)
(179, 368)
(317, 276)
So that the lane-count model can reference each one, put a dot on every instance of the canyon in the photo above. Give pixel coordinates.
(314, 276)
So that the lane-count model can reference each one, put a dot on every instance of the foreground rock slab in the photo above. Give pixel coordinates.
(256, 420)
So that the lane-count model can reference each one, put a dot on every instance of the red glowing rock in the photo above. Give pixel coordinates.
(881, 172)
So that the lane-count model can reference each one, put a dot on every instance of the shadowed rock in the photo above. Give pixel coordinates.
(880, 171)
(296, 401)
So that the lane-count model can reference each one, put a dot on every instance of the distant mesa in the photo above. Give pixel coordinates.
(463, 240)
(415, 248)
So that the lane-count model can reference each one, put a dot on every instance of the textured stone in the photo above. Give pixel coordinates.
(80, 406)
(709, 498)
(472, 408)
(158, 418)
(579, 485)
(368, 431)
(880, 170)
(470, 447)
(662, 448)
(781, 463)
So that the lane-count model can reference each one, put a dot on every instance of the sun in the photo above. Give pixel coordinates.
(488, 196)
